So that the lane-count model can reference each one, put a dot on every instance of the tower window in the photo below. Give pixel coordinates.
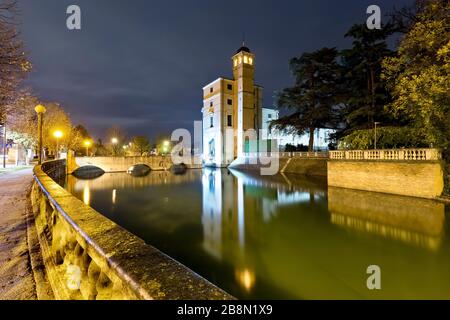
(235, 62)
(211, 122)
(230, 102)
(230, 120)
(250, 59)
(240, 60)
(230, 87)
(211, 90)
(211, 104)
(270, 116)
(245, 59)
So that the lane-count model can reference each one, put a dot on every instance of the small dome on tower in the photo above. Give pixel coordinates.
(243, 49)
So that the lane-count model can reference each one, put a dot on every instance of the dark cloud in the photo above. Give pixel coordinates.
(142, 63)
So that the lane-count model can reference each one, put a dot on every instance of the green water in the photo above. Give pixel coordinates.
(282, 237)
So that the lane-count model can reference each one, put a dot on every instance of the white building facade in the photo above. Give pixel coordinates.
(231, 112)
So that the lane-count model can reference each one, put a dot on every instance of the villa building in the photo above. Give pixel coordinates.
(231, 107)
(233, 116)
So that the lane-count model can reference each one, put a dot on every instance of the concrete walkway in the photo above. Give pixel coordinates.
(16, 274)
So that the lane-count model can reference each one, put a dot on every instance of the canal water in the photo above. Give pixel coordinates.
(282, 237)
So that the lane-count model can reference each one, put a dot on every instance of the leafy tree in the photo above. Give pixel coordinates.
(80, 134)
(387, 138)
(140, 145)
(22, 121)
(100, 150)
(419, 75)
(312, 99)
(364, 93)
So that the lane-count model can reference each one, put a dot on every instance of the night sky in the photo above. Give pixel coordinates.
(141, 64)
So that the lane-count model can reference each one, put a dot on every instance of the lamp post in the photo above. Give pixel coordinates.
(87, 144)
(58, 135)
(376, 124)
(40, 110)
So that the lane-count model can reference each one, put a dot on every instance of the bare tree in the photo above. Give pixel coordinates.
(404, 18)
(116, 138)
(13, 62)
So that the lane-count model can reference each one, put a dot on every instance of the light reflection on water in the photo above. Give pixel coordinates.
(281, 237)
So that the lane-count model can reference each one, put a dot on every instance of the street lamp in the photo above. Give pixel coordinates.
(87, 144)
(376, 124)
(58, 135)
(40, 110)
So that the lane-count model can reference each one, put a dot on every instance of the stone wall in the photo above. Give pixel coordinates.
(87, 256)
(305, 166)
(302, 166)
(422, 179)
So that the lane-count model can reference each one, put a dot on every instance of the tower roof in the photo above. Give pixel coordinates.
(244, 49)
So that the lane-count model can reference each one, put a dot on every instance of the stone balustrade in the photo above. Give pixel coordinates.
(304, 154)
(394, 154)
(314, 155)
(87, 256)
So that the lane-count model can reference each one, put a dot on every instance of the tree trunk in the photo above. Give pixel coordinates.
(372, 85)
(311, 139)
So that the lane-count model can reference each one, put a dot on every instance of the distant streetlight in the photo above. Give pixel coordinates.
(87, 144)
(40, 110)
(376, 124)
(58, 135)
(115, 141)
(166, 145)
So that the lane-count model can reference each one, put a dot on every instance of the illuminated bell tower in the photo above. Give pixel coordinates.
(245, 109)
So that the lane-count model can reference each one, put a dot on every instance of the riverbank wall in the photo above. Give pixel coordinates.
(301, 166)
(416, 173)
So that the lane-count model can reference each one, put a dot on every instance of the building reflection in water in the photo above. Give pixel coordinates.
(246, 278)
(114, 196)
(236, 206)
(413, 221)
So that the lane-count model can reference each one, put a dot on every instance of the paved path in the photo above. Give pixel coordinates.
(16, 275)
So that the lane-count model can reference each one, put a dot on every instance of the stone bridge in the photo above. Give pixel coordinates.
(122, 164)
